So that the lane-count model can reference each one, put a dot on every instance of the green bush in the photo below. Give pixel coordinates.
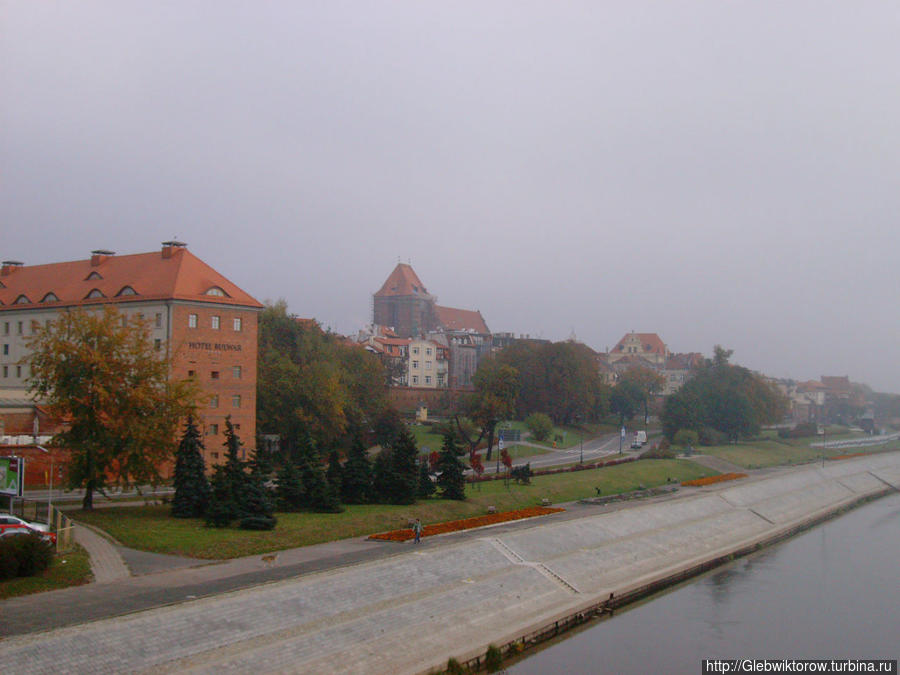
(686, 438)
(540, 425)
(658, 452)
(522, 474)
(800, 431)
(493, 659)
(24, 555)
(710, 436)
(454, 668)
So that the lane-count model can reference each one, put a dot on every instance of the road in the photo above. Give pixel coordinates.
(595, 449)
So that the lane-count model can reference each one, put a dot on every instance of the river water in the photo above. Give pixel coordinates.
(831, 592)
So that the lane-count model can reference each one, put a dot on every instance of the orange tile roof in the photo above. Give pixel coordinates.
(461, 319)
(402, 281)
(392, 341)
(651, 342)
(183, 276)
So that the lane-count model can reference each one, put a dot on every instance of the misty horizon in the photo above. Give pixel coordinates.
(715, 174)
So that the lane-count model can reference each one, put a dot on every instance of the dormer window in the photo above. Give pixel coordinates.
(92, 276)
(22, 300)
(216, 291)
(96, 293)
(50, 297)
(127, 290)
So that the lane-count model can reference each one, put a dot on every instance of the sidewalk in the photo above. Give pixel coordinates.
(106, 563)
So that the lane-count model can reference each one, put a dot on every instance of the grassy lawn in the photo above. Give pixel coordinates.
(754, 454)
(150, 528)
(70, 569)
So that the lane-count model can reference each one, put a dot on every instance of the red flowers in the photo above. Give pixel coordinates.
(709, 480)
(467, 523)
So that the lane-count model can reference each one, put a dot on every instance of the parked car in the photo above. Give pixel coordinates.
(11, 525)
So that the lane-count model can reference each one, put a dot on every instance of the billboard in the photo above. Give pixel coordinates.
(12, 476)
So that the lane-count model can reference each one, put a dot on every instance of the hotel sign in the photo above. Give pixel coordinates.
(215, 346)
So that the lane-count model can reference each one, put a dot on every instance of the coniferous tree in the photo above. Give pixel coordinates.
(404, 472)
(382, 476)
(335, 473)
(426, 486)
(452, 480)
(221, 509)
(235, 476)
(289, 491)
(191, 487)
(317, 492)
(356, 486)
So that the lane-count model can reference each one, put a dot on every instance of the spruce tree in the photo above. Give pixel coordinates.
(382, 476)
(221, 509)
(426, 485)
(289, 491)
(317, 493)
(452, 480)
(335, 473)
(235, 475)
(404, 472)
(356, 486)
(191, 487)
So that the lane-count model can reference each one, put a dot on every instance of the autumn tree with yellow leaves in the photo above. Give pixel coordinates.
(100, 373)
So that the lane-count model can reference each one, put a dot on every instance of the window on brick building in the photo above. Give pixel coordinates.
(415, 364)
(236, 372)
(213, 430)
(214, 402)
(415, 379)
(214, 374)
(428, 379)
(192, 320)
(159, 319)
(236, 401)
(215, 322)
(237, 324)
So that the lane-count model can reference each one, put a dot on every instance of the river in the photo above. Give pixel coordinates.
(831, 592)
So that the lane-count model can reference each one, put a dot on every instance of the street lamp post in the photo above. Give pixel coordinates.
(582, 446)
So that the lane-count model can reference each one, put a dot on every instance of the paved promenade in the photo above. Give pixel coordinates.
(411, 607)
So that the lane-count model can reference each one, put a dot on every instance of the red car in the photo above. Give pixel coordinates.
(11, 525)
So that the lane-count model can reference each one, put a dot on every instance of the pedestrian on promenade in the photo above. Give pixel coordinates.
(417, 530)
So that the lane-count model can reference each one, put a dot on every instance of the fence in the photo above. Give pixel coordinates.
(43, 512)
(857, 442)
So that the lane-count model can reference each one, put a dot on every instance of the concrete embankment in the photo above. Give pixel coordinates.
(409, 613)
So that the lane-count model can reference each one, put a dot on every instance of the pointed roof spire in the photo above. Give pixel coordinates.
(402, 281)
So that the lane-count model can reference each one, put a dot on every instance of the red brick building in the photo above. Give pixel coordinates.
(206, 324)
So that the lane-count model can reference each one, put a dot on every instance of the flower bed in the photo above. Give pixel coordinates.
(466, 523)
(709, 480)
(849, 456)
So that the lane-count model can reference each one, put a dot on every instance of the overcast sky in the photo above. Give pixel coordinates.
(715, 172)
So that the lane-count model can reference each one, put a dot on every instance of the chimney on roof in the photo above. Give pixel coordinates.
(98, 256)
(169, 248)
(9, 266)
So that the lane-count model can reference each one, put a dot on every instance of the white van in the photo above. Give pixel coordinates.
(640, 439)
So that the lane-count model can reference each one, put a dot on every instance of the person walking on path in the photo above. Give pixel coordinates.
(417, 530)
